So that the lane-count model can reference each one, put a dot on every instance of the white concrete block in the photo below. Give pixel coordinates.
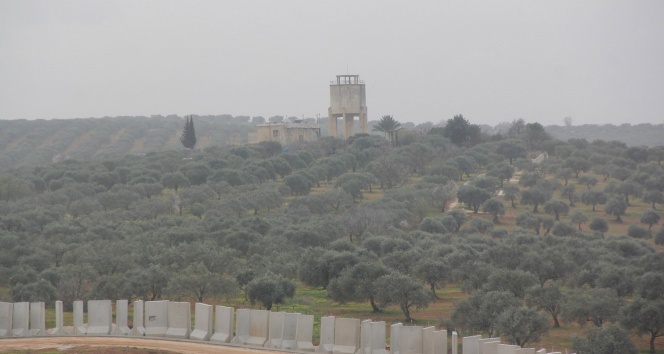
(326, 335)
(427, 340)
(21, 319)
(224, 318)
(276, 329)
(100, 317)
(440, 342)
(470, 345)
(59, 329)
(305, 333)
(289, 330)
(156, 318)
(121, 316)
(242, 326)
(524, 350)
(541, 351)
(346, 335)
(79, 327)
(411, 340)
(179, 320)
(365, 337)
(481, 342)
(6, 316)
(394, 338)
(137, 329)
(455, 342)
(37, 319)
(510, 349)
(490, 348)
(202, 322)
(259, 328)
(378, 341)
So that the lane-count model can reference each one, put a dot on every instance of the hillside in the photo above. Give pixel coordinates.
(32, 143)
(25, 143)
(338, 222)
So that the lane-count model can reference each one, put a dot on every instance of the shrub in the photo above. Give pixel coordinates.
(637, 231)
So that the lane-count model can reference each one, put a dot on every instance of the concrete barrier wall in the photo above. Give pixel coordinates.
(427, 340)
(259, 328)
(346, 335)
(525, 351)
(289, 331)
(121, 316)
(510, 349)
(365, 337)
(224, 318)
(156, 318)
(59, 329)
(100, 317)
(491, 348)
(37, 319)
(305, 332)
(137, 329)
(242, 326)
(203, 322)
(21, 319)
(79, 328)
(6, 316)
(276, 329)
(411, 340)
(377, 345)
(326, 335)
(394, 338)
(440, 342)
(179, 320)
(470, 345)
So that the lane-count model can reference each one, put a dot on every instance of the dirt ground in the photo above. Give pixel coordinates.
(112, 345)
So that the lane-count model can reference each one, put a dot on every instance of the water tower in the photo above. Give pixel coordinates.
(347, 100)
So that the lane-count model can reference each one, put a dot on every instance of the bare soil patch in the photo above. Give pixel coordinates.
(115, 345)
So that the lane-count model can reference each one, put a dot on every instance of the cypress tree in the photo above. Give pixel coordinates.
(188, 138)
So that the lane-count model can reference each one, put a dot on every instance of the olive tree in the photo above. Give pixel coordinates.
(402, 290)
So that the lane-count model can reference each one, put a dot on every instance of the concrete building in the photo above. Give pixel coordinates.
(347, 100)
(286, 134)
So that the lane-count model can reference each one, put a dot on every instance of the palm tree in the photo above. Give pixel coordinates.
(389, 126)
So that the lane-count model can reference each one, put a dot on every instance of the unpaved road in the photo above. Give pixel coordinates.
(185, 347)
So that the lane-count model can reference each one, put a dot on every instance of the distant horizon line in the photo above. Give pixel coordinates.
(157, 116)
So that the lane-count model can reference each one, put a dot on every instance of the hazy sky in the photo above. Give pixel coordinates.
(493, 61)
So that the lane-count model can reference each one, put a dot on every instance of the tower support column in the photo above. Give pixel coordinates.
(349, 127)
(363, 122)
(332, 123)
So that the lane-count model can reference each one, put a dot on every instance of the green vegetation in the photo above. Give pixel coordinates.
(358, 228)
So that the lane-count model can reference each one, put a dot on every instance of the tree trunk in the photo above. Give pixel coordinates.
(556, 324)
(406, 312)
(373, 305)
(652, 343)
(433, 290)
